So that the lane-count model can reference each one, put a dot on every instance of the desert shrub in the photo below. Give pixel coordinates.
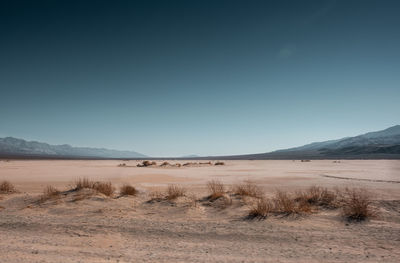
(318, 196)
(82, 183)
(175, 191)
(219, 163)
(105, 188)
(357, 205)
(286, 205)
(7, 188)
(248, 188)
(261, 209)
(156, 196)
(50, 192)
(128, 190)
(216, 189)
(122, 165)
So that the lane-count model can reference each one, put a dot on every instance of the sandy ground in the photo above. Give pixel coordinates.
(131, 229)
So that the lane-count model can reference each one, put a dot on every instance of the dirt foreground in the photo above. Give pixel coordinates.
(92, 227)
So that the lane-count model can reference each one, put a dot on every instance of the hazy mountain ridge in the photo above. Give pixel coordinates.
(19, 147)
(373, 145)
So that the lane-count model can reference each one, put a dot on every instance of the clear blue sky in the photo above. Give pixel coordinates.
(172, 78)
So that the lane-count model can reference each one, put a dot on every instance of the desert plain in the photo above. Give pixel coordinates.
(146, 227)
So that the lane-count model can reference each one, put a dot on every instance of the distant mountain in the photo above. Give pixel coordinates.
(12, 147)
(373, 145)
(190, 156)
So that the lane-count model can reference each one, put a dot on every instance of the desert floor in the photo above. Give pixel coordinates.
(98, 228)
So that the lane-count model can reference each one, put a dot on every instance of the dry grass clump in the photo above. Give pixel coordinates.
(82, 183)
(175, 191)
(219, 163)
(146, 164)
(7, 188)
(285, 204)
(122, 165)
(50, 192)
(165, 164)
(156, 196)
(319, 196)
(357, 205)
(261, 209)
(105, 188)
(128, 190)
(216, 189)
(248, 188)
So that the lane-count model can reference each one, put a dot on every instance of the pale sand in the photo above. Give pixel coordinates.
(129, 229)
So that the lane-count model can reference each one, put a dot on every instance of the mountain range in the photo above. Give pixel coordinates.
(383, 144)
(18, 148)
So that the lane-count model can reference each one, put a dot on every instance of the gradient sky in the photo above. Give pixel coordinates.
(172, 78)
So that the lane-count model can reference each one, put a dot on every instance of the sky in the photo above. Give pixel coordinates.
(174, 78)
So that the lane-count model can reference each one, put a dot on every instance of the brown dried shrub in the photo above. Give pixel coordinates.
(248, 188)
(286, 205)
(50, 192)
(261, 209)
(156, 196)
(216, 189)
(128, 190)
(219, 163)
(82, 183)
(105, 188)
(174, 191)
(7, 188)
(319, 196)
(357, 205)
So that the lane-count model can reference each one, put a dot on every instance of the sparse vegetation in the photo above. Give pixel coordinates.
(286, 205)
(128, 190)
(318, 196)
(175, 191)
(216, 189)
(50, 192)
(357, 205)
(248, 188)
(219, 163)
(122, 165)
(7, 188)
(261, 209)
(105, 188)
(156, 196)
(82, 183)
